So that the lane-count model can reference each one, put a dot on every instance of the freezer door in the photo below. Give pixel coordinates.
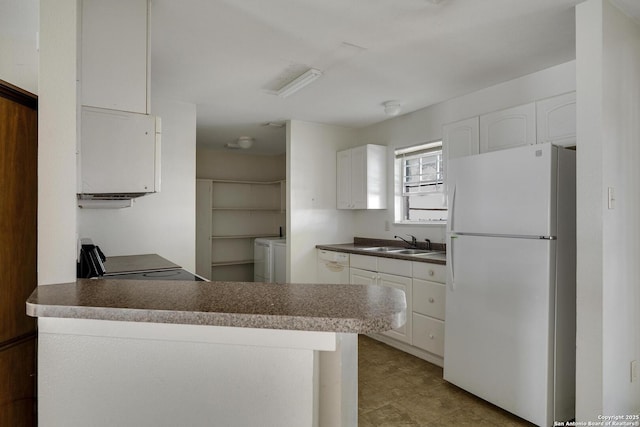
(499, 317)
(510, 192)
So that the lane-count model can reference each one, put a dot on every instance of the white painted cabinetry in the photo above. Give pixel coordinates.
(424, 287)
(508, 128)
(333, 267)
(229, 216)
(461, 138)
(402, 333)
(362, 177)
(428, 307)
(556, 120)
(115, 55)
(130, 142)
(370, 270)
(546, 120)
(362, 277)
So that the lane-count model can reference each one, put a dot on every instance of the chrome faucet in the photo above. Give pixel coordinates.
(428, 244)
(412, 244)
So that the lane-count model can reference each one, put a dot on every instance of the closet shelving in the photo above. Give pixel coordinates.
(230, 215)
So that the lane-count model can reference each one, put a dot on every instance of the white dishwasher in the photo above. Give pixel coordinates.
(333, 267)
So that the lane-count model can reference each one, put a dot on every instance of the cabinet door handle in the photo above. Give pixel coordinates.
(431, 299)
(431, 272)
(431, 336)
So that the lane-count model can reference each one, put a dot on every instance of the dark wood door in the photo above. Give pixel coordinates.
(18, 384)
(18, 253)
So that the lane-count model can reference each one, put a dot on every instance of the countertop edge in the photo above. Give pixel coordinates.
(257, 321)
(388, 313)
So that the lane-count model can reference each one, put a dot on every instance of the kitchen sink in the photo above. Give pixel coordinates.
(439, 255)
(423, 253)
(412, 251)
(383, 249)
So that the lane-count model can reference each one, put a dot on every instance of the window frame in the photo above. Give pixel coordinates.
(436, 187)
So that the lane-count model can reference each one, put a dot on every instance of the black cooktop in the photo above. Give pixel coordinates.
(177, 274)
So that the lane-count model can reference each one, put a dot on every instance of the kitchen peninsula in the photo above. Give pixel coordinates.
(128, 352)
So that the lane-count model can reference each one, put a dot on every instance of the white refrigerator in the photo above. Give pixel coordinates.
(510, 298)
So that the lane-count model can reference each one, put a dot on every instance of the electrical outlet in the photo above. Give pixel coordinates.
(386, 225)
(634, 371)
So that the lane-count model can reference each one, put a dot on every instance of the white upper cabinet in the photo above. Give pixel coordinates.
(461, 138)
(119, 152)
(508, 128)
(556, 120)
(115, 55)
(362, 177)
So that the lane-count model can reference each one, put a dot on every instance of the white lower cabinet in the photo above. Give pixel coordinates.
(403, 333)
(428, 298)
(362, 277)
(428, 333)
(370, 270)
(424, 287)
(428, 307)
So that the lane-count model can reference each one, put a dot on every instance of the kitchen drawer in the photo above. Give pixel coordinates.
(429, 298)
(428, 334)
(430, 272)
(394, 266)
(364, 262)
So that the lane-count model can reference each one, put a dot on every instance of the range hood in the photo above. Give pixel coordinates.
(118, 157)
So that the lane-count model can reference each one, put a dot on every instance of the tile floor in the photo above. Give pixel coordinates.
(398, 389)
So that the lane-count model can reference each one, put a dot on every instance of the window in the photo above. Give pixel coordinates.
(420, 194)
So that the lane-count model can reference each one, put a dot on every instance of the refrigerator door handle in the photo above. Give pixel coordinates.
(450, 262)
(452, 210)
(507, 236)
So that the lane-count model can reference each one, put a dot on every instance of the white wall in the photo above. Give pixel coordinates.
(57, 142)
(18, 28)
(162, 223)
(426, 125)
(312, 217)
(239, 165)
(608, 293)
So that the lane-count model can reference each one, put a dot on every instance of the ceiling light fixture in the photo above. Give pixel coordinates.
(243, 142)
(299, 82)
(392, 108)
(274, 124)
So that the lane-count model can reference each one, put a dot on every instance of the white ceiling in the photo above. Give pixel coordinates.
(227, 56)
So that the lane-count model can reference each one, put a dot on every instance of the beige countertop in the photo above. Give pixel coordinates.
(307, 307)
